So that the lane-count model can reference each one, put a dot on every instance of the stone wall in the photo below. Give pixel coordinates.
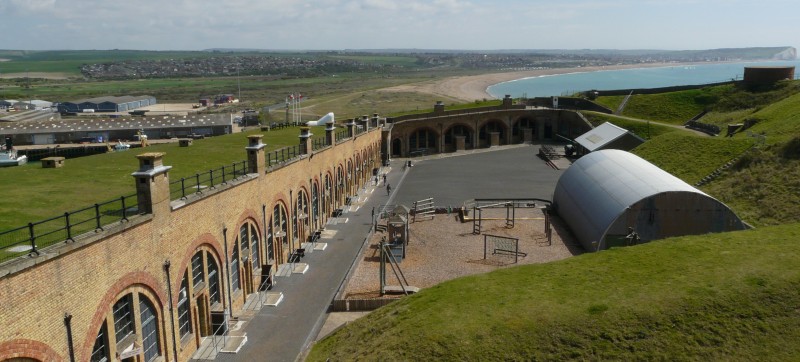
(77, 284)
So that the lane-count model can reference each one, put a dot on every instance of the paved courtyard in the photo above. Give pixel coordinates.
(285, 331)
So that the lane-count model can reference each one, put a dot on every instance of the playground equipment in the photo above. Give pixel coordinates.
(473, 211)
(424, 209)
(501, 245)
(388, 256)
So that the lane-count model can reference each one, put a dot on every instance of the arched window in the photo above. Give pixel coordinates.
(301, 216)
(254, 246)
(235, 266)
(123, 318)
(149, 319)
(315, 204)
(100, 348)
(279, 224)
(184, 317)
(214, 293)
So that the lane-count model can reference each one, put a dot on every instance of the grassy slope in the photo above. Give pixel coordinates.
(689, 298)
(764, 187)
(673, 107)
(691, 157)
(640, 128)
(104, 177)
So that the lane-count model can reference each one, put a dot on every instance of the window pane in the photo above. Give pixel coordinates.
(100, 349)
(184, 325)
(213, 282)
(197, 268)
(150, 341)
(235, 267)
(123, 318)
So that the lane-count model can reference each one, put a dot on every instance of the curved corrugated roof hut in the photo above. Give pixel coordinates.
(605, 193)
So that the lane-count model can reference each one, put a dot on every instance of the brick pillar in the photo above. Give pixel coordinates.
(152, 184)
(438, 108)
(255, 154)
(527, 135)
(494, 138)
(330, 133)
(507, 101)
(375, 120)
(351, 124)
(305, 140)
(461, 143)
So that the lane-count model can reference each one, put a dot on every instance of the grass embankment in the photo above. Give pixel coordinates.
(689, 156)
(641, 128)
(764, 186)
(730, 296)
(35, 193)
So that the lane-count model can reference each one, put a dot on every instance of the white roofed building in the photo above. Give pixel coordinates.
(605, 193)
(608, 136)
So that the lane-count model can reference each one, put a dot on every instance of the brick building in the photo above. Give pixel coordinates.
(147, 288)
(150, 287)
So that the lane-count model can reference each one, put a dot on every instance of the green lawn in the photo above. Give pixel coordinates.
(86, 180)
(730, 296)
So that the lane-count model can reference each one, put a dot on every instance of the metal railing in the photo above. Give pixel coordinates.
(318, 143)
(187, 186)
(342, 135)
(283, 155)
(36, 235)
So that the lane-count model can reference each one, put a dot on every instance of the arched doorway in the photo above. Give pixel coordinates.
(421, 142)
(397, 147)
(458, 130)
(517, 133)
(491, 126)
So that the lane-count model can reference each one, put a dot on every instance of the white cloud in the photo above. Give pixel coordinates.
(339, 24)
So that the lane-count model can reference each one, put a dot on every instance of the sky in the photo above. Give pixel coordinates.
(390, 24)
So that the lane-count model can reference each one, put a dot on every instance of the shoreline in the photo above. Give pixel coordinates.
(474, 87)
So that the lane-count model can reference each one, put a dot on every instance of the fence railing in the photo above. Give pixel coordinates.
(36, 235)
(318, 143)
(341, 135)
(283, 155)
(180, 189)
(357, 130)
(282, 125)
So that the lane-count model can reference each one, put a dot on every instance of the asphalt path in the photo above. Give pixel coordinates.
(281, 333)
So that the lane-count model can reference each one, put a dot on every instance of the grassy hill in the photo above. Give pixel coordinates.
(730, 296)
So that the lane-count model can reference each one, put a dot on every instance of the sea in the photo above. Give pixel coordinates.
(667, 76)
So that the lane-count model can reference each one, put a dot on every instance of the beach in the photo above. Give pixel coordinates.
(473, 87)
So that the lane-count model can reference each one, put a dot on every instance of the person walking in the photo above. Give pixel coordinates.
(384, 179)
(388, 189)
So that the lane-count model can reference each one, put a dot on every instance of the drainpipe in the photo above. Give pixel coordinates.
(171, 310)
(228, 270)
(68, 324)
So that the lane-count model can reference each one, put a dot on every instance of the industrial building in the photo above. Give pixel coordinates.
(107, 104)
(123, 128)
(607, 194)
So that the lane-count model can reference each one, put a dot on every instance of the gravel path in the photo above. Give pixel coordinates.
(445, 248)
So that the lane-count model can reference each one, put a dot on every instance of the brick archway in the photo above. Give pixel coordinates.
(28, 348)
